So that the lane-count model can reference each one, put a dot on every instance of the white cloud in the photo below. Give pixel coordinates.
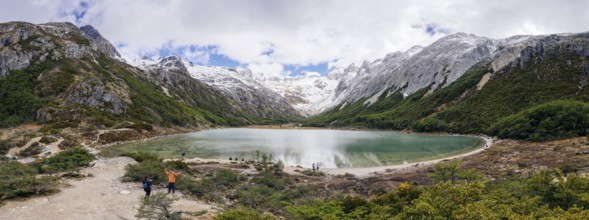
(195, 56)
(268, 70)
(302, 32)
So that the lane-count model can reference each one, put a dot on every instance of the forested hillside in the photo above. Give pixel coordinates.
(555, 69)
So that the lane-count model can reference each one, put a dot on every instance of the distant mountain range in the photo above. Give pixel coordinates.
(64, 76)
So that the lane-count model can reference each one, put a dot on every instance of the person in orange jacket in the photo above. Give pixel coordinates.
(172, 179)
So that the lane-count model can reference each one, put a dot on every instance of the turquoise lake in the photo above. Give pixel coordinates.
(328, 148)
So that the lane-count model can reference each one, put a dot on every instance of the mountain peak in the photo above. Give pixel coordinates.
(62, 25)
(102, 44)
(172, 63)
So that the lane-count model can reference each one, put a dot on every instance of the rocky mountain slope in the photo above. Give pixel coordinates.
(102, 44)
(516, 91)
(238, 85)
(63, 77)
(436, 65)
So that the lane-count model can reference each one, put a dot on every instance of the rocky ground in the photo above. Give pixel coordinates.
(510, 158)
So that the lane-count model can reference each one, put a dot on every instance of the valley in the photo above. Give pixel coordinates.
(68, 97)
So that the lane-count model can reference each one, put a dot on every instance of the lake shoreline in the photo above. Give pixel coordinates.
(371, 171)
(359, 171)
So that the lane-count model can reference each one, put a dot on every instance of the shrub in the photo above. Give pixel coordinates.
(4, 146)
(148, 168)
(66, 160)
(317, 210)
(198, 188)
(256, 196)
(270, 180)
(176, 165)
(225, 178)
(17, 180)
(141, 156)
(569, 168)
(158, 206)
(67, 144)
(242, 213)
(47, 140)
(314, 173)
(34, 149)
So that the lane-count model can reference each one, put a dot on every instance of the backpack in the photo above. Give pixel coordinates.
(145, 185)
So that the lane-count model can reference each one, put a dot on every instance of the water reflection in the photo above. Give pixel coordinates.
(328, 148)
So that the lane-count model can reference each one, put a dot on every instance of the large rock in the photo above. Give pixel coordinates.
(93, 93)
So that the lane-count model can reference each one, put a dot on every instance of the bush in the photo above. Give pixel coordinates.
(176, 165)
(270, 180)
(202, 189)
(242, 213)
(17, 180)
(158, 206)
(67, 144)
(225, 178)
(315, 173)
(47, 140)
(569, 168)
(317, 210)
(34, 149)
(141, 156)
(66, 160)
(148, 168)
(4, 147)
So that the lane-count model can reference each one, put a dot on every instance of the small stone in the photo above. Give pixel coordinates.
(125, 192)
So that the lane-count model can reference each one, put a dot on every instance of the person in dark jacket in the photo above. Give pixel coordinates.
(147, 186)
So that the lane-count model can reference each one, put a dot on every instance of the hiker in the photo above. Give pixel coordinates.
(317, 167)
(313, 166)
(147, 186)
(172, 179)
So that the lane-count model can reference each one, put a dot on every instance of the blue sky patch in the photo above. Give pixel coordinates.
(294, 70)
(80, 11)
(433, 29)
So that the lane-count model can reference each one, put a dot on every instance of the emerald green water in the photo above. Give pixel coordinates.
(329, 148)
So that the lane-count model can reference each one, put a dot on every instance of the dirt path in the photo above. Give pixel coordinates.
(102, 196)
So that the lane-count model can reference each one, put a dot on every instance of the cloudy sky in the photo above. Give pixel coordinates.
(289, 37)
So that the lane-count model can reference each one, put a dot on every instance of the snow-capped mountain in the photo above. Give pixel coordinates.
(309, 93)
(235, 83)
(434, 66)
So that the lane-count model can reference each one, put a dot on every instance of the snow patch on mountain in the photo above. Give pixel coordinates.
(309, 93)
(434, 66)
